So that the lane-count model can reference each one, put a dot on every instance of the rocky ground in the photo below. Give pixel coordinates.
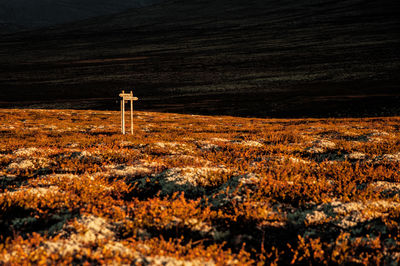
(197, 190)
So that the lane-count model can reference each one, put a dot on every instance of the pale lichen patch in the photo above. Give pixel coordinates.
(298, 160)
(170, 261)
(357, 156)
(141, 168)
(387, 158)
(25, 151)
(36, 191)
(22, 165)
(345, 215)
(386, 187)
(190, 175)
(219, 140)
(320, 146)
(85, 232)
(315, 217)
(251, 143)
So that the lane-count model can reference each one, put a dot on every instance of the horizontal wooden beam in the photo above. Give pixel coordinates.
(130, 98)
(125, 94)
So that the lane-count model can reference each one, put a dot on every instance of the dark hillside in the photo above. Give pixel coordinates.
(264, 58)
(26, 14)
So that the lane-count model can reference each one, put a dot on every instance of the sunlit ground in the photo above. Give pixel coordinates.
(195, 189)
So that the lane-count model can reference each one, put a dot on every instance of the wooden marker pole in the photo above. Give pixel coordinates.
(126, 97)
(122, 116)
(132, 114)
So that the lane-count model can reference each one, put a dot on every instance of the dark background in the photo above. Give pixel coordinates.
(263, 58)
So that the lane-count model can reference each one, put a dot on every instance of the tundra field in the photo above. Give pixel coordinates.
(197, 190)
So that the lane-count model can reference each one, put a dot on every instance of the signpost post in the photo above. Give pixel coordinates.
(126, 97)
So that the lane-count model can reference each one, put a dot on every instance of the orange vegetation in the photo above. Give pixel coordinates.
(197, 190)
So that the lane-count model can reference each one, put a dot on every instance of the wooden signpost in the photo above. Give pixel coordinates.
(126, 97)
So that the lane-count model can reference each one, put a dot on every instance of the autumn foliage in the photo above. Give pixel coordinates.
(187, 189)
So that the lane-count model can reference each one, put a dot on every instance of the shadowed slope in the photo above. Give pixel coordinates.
(239, 57)
(25, 14)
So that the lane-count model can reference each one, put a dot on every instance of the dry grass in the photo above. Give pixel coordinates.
(197, 190)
